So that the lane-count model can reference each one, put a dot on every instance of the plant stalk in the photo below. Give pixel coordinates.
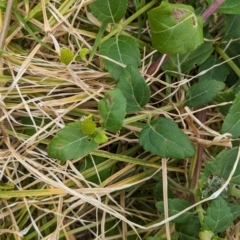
(6, 23)
(211, 9)
(234, 67)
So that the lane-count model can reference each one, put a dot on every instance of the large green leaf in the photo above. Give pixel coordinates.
(109, 11)
(203, 92)
(221, 166)
(235, 209)
(134, 88)
(175, 28)
(232, 121)
(228, 6)
(187, 62)
(112, 108)
(213, 72)
(175, 206)
(163, 138)
(71, 143)
(189, 231)
(122, 49)
(218, 216)
(232, 29)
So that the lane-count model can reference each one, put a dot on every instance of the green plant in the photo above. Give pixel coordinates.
(141, 128)
(176, 30)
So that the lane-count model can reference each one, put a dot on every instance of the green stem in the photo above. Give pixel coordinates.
(97, 40)
(199, 208)
(177, 186)
(229, 61)
(121, 158)
(143, 116)
(129, 20)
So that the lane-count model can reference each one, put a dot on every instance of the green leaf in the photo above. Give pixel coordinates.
(232, 50)
(232, 29)
(25, 25)
(175, 206)
(218, 72)
(134, 89)
(188, 231)
(203, 92)
(71, 143)
(235, 210)
(163, 138)
(187, 62)
(228, 6)
(222, 165)
(30, 129)
(206, 235)
(232, 122)
(112, 108)
(175, 29)
(100, 136)
(218, 216)
(158, 193)
(122, 49)
(109, 11)
(222, 97)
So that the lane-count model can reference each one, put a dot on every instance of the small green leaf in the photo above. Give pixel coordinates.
(109, 11)
(158, 193)
(163, 138)
(218, 72)
(206, 235)
(232, 122)
(218, 216)
(175, 29)
(112, 108)
(222, 165)
(71, 143)
(134, 89)
(232, 29)
(175, 206)
(188, 231)
(30, 129)
(203, 92)
(82, 54)
(223, 97)
(122, 49)
(187, 62)
(228, 6)
(100, 136)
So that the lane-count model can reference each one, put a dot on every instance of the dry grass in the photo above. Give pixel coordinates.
(53, 200)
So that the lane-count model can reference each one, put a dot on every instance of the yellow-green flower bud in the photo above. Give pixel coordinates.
(66, 56)
(88, 126)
